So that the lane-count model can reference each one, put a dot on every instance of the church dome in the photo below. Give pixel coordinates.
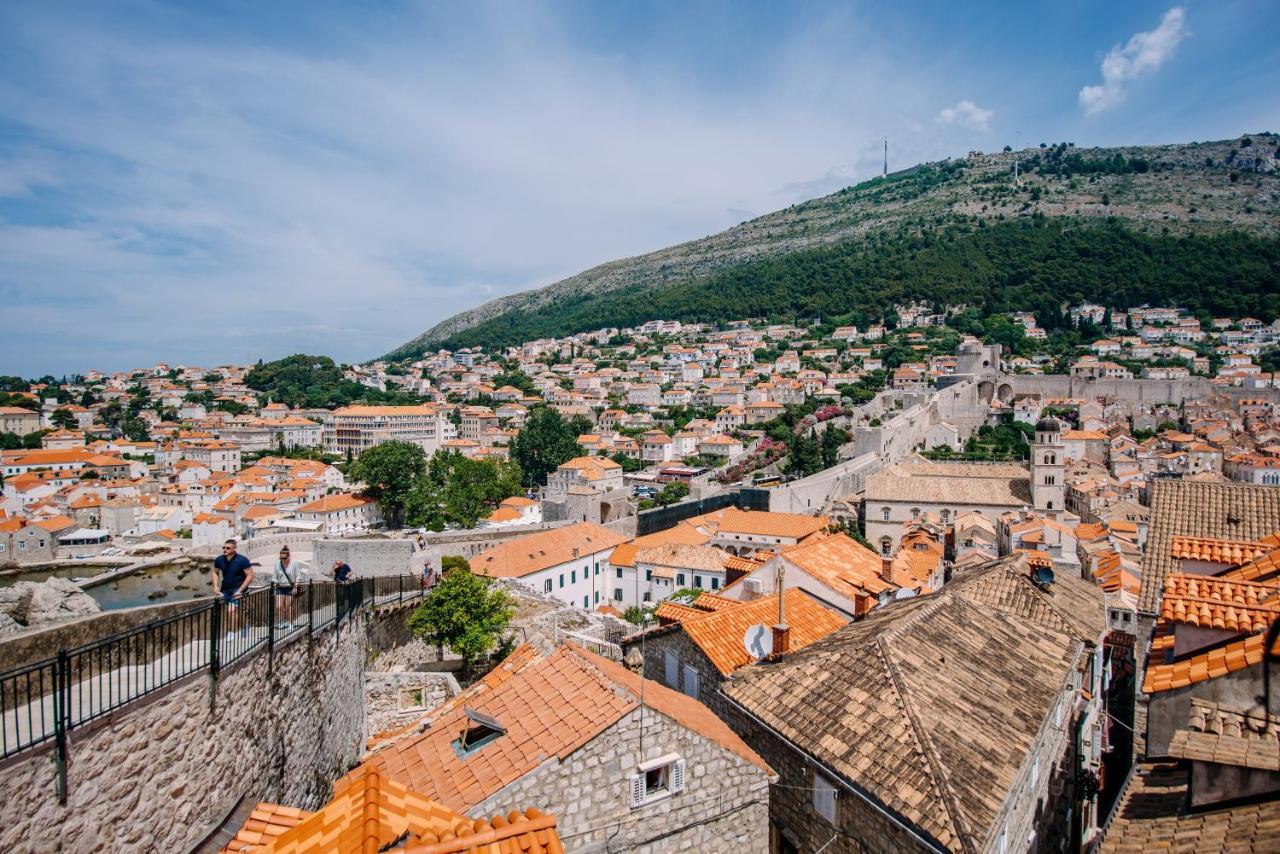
(1048, 425)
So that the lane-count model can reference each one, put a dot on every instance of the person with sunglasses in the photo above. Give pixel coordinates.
(231, 576)
(284, 580)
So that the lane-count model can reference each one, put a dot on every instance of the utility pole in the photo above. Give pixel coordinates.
(885, 174)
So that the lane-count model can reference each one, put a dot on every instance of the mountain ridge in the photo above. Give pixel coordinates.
(1200, 188)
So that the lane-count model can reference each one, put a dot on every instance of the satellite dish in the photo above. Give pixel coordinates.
(758, 641)
(1043, 576)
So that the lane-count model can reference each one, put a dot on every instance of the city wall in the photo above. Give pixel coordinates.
(163, 773)
(1135, 390)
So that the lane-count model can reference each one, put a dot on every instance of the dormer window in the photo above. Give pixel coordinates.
(481, 729)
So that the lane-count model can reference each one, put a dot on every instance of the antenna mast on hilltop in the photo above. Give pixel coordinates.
(885, 174)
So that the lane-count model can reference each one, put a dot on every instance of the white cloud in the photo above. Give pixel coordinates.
(967, 114)
(1144, 53)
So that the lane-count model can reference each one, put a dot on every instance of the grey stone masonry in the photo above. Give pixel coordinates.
(723, 808)
(163, 772)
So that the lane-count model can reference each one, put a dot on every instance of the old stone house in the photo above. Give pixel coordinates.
(943, 722)
(568, 730)
(703, 644)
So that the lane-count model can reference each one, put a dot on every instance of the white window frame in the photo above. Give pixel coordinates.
(638, 782)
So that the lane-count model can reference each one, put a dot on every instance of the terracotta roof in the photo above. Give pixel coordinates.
(1230, 511)
(840, 563)
(719, 634)
(550, 705)
(1207, 602)
(1210, 664)
(505, 514)
(370, 812)
(625, 553)
(1150, 818)
(680, 556)
(538, 551)
(1214, 551)
(763, 523)
(1265, 567)
(334, 503)
(930, 704)
(54, 523)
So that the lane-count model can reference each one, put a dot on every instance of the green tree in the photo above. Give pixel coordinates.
(806, 456)
(457, 490)
(136, 430)
(63, 419)
(629, 464)
(464, 612)
(832, 440)
(33, 440)
(389, 472)
(545, 441)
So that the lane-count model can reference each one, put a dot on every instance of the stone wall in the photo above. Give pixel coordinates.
(162, 773)
(723, 808)
(368, 558)
(395, 699)
(814, 493)
(687, 654)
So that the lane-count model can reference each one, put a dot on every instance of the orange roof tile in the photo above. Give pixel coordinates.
(369, 812)
(334, 503)
(719, 634)
(549, 705)
(1236, 655)
(529, 554)
(768, 524)
(625, 553)
(839, 562)
(1265, 567)
(1208, 602)
(1213, 550)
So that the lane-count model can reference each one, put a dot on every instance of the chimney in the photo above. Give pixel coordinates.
(781, 631)
(886, 568)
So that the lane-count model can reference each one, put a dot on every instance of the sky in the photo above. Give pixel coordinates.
(207, 182)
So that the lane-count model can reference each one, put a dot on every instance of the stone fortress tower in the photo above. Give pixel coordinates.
(1048, 467)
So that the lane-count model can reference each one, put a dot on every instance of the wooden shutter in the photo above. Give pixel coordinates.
(677, 776)
(672, 670)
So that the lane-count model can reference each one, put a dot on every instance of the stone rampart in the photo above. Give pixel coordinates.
(164, 772)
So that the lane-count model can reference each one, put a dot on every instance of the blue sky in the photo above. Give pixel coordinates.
(214, 181)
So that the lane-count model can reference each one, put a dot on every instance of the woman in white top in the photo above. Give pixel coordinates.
(284, 580)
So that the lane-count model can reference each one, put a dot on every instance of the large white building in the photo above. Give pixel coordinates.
(357, 428)
(569, 563)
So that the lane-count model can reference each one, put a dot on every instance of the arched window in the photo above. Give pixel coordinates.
(1050, 459)
(885, 545)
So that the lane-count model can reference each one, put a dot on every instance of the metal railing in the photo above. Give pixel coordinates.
(45, 700)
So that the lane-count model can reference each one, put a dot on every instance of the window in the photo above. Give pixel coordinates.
(586, 601)
(562, 579)
(672, 669)
(915, 512)
(619, 572)
(680, 578)
(648, 575)
(715, 584)
(617, 594)
(648, 597)
(691, 682)
(657, 779)
(597, 568)
(697, 581)
(546, 586)
(824, 796)
(884, 513)
(885, 545)
(481, 730)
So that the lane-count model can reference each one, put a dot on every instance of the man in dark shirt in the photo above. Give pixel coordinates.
(341, 572)
(231, 576)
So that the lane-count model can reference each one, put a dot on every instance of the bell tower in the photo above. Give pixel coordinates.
(1048, 468)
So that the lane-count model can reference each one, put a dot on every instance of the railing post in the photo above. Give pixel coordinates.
(215, 656)
(311, 610)
(271, 629)
(400, 587)
(61, 720)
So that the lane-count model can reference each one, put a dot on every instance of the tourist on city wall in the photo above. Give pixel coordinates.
(428, 576)
(341, 572)
(284, 582)
(231, 575)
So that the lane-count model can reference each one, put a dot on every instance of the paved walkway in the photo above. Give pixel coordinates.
(97, 687)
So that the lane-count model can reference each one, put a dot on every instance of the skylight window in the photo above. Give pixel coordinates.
(481, 729)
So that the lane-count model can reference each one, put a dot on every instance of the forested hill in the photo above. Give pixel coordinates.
(1195, 223)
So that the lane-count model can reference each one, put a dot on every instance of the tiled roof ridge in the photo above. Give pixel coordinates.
(938, 777)
(1021, 577)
